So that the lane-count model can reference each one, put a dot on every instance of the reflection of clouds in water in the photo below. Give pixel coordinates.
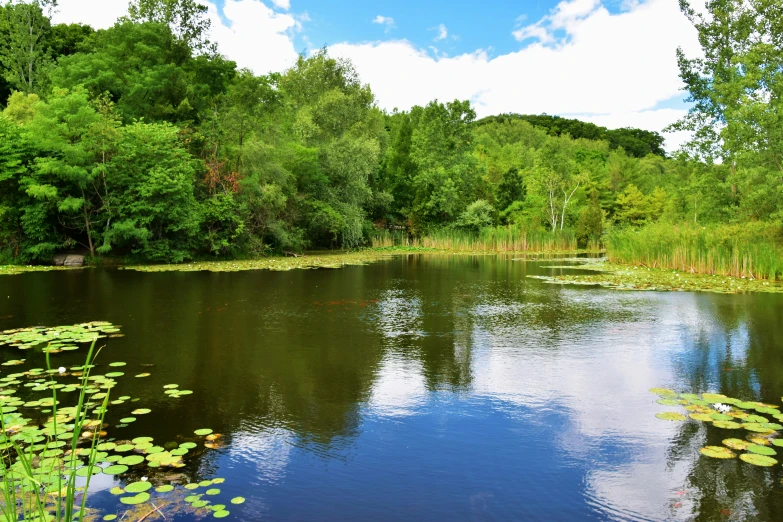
(267, 450)
(399, 387)
(400, 314)
(598, 377)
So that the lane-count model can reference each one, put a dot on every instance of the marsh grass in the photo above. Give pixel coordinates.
(750, 250)
(490, 239)
(40, 488)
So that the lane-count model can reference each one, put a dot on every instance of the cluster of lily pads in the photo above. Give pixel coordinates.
(45, 446)
(759, 422)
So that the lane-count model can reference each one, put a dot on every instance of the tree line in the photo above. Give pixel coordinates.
(143, 141)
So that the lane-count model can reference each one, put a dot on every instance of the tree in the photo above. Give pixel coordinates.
(188, 19)
(737, 88)
(25, 55)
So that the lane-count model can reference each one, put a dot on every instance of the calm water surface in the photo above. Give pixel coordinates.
(431, 388)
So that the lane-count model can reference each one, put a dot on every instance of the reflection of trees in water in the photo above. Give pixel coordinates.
(734, 352)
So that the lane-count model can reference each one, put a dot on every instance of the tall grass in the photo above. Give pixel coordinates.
(749, 250)
(490, 239)
(38, 487)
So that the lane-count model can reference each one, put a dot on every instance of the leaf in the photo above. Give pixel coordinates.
(758, 460)
(238, 500)
(717, 452)
(669, 416)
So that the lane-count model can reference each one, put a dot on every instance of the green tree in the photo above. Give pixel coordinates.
(188, 19)
(24, 55)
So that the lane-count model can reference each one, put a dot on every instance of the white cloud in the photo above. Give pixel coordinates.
(254, 35)
(282, 4)
(100, 14)
(443, 33)
(384, 20)
(612, 67)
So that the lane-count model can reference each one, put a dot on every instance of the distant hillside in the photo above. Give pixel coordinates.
(636, 142)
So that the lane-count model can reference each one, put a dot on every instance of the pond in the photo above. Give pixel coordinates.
(427, 387)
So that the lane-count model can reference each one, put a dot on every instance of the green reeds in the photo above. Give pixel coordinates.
(490, 239)
(750, 250)
(42, 487)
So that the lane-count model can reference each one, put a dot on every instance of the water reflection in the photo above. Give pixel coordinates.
(434, 388)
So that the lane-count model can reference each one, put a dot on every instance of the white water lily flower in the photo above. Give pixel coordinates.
(144, 479)
(61, 369)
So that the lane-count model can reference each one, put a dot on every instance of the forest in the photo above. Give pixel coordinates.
(143, 142)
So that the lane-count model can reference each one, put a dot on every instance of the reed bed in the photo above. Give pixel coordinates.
(750, 250)
(493, 239)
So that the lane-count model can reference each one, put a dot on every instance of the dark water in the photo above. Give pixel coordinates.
(432, 388)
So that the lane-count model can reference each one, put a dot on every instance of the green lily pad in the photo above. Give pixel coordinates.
(717, 452)
(141, 411)
(139, 440)
(200, 503)
(128, 420)
(188, 445)
(116, 490)
(110, 517)
(737, 444)
(761, 450)
(668, 415)
(221, 514)
(757, 428)
(213, 491)
(117, 364)
(671, 402)
(116, 469)
(238, 500)
(122, 448)
(714, 397)
(664, 392)
(136, 499)
(778, 442)
(131, 460)
(191, 486)
(727, 425)
(164, 488)
(758, 460)
(143, 375)
(170, 386)
(704, 417)
(83, 472)
(207, 431)
(138, 487)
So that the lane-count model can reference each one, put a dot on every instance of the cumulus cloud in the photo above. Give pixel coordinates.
(254, 35)
(584, 60)
(282, 4)
(384, 20)
(100, 14)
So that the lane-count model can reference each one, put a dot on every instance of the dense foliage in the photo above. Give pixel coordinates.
(142, 141)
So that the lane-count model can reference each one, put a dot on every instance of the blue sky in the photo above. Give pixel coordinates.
(471, 25)
(607, 61)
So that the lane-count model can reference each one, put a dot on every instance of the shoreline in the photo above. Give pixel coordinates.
(600, 272)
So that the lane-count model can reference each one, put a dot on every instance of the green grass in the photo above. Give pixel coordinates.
(751, 250)
(490, 239)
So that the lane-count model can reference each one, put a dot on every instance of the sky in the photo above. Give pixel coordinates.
(611, 62)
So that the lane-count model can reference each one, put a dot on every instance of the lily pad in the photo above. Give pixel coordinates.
(736, 444)
(138, 487)
(136, 499)
(164, 488)
(116, 470)
(668, 415)
(727, 425)
(761, 450)
(758, 460)
(238, 500)
(717, 452)
(213, 491)
(704, 417)
(207, 431)
(141, 411)
(131, 460)
(664, 392)
(671, 402)
(221, 514)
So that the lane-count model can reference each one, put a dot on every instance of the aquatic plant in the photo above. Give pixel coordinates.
(727, 413)
(46, 465)
(749, 250)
